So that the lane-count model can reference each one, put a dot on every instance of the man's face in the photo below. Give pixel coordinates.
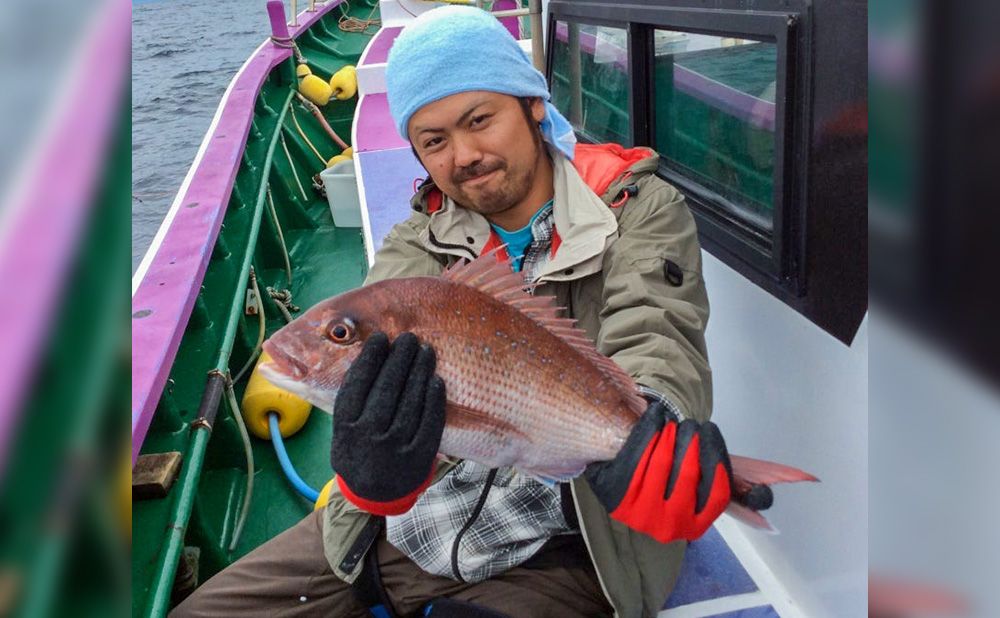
(479, 148)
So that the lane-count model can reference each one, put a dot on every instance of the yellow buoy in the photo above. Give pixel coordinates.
(324, 495)
(262, 398)
(302, 70)
(337, 159)
(315, 89)
(344, 83)
(348, 152)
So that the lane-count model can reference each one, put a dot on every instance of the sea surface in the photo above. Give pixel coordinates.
(184, 54)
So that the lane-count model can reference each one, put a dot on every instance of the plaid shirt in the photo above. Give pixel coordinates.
(517, 515)
(536, 255)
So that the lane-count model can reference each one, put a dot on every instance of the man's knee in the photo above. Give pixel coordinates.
(289, 574)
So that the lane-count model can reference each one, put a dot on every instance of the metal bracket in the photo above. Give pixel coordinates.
(252, 305)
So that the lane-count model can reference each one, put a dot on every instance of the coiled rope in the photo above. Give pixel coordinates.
(348, 23)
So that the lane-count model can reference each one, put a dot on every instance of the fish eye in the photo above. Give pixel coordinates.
(341, 331)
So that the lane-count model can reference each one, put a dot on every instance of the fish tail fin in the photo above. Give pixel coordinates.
(760, 472)
(752, 479)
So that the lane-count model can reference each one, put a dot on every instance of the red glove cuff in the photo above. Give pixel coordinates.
(393, 507)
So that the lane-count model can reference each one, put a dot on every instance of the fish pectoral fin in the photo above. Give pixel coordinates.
(465, 418)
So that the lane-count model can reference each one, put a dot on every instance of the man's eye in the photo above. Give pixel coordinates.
(478, 120)
(432, 142)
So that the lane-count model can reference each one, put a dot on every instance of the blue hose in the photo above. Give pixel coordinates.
(300, 486)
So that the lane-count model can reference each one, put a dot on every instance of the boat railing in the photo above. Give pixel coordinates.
(295, 10)
(533, 11)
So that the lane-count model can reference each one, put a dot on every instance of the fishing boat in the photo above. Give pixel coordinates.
(757, 115)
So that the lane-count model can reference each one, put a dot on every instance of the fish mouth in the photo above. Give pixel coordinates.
(283, 364)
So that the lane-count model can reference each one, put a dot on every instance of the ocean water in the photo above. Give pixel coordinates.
(184, 54)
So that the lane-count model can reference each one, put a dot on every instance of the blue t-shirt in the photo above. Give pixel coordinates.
(518, 241)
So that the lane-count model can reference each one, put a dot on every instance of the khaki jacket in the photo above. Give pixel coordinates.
(610, 271)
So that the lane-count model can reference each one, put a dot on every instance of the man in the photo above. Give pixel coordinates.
(590, 225)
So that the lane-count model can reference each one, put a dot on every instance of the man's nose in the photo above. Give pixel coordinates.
(465, 150)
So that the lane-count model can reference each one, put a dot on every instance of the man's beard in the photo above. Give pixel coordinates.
(512, 192)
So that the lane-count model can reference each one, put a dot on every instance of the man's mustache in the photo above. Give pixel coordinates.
(474, 171)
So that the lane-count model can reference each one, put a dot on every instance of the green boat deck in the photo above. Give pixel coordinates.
(325, 260)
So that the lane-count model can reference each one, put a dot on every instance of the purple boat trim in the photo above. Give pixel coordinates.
(376, 130)
(164, 297)
(378, 49)
(756, 111)
(57, 211)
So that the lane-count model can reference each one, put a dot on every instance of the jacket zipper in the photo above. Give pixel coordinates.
(468, 524)
(445, 246)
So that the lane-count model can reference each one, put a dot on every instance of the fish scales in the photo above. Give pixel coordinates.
(554, 407)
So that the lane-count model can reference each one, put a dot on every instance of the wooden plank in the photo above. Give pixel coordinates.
(153, 474)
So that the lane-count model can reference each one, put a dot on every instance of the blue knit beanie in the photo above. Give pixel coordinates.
(456, 49)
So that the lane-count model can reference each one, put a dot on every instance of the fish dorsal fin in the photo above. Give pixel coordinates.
(495, 278)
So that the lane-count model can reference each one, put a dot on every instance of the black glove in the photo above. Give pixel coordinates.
(387, 424)
(671, 480)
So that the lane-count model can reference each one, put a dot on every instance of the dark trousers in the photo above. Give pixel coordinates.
(290, 576)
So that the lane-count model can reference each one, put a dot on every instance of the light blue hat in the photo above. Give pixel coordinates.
(456, 49)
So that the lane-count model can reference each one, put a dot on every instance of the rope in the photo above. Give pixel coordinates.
(348, 23)
(314, 110)
(288, 42)
(283, 300)
(281, 237)
(262, 322)
(248, 451)
(303, 134)
(295, 174)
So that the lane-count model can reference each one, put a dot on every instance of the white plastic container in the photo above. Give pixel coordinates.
(342, 193)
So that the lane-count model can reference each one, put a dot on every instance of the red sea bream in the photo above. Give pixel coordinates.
(525, 388)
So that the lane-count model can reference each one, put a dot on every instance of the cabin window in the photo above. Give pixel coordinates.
(590, 80)
(757, 111)
(718, 93)
(714, 120)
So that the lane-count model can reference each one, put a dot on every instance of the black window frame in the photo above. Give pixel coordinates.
(775, 261)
